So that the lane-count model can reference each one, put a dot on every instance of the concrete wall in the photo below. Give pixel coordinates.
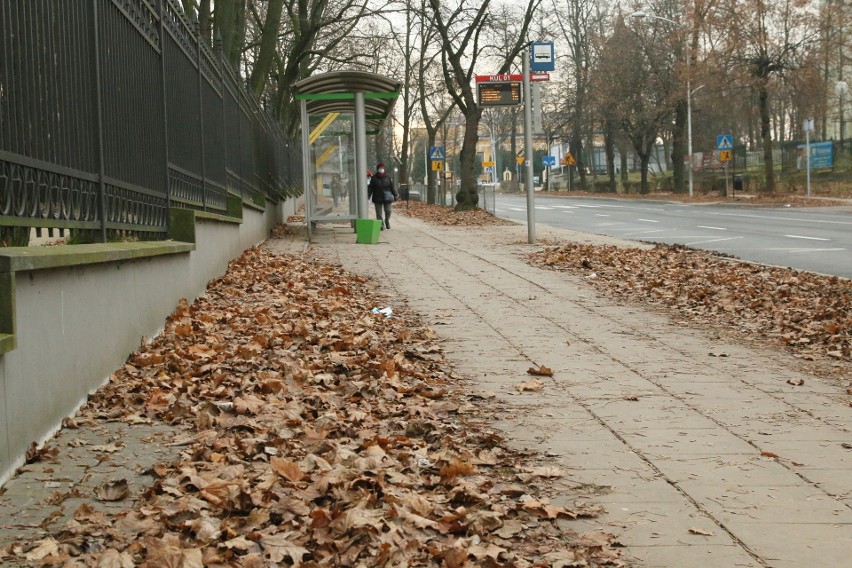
(76, 324)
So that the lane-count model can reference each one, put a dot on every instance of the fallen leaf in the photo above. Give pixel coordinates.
(770, 455)
(43, 549)
(701, 532)
(533, 385)
(113, 490)
(112, 558)
(280, 546)
(287, 469)
(541, 371)
(107, 448)
(547, 472)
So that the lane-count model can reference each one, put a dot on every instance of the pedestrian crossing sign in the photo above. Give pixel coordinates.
(725, 142)
(436, 153)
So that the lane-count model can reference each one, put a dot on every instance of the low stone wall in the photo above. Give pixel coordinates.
(70, 315)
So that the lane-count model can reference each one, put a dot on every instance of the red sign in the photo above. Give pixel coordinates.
(514, 77)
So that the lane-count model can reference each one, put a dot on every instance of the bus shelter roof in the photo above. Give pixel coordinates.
(335, 92)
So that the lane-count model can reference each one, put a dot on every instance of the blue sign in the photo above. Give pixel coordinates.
(821, 155)
(725, 142)
(436, 153)
(542, 57)
(548, 160)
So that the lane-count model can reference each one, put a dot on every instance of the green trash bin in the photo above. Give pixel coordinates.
(367, 231)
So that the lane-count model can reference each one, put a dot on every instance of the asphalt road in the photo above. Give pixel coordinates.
(815, 239)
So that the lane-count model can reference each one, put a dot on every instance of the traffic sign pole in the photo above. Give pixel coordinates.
(808, 155)
(528, 151)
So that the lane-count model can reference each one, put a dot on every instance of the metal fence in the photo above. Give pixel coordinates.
(112, 111)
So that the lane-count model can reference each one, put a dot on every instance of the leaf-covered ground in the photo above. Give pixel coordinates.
(448, 216)
(808, 313)
(317, 433)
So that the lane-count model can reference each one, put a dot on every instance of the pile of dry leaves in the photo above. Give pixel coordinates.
(809, 313)
(320, 434)
(440, 215)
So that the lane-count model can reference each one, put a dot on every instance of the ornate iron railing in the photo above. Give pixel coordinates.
(112, 111)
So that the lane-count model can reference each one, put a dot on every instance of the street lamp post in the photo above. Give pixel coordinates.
(493, 155)
(689, 92)
(841, 88)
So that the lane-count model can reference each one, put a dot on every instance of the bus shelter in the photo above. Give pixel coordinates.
(339, 110)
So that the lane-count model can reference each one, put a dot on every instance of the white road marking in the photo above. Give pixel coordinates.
(713, 241)
(601, 215)
(516, 209)
(543, 208)
(564, 207)
(687, 237)
(807, 249)
(712, 228)
(773, 218)
(647, 220)
(649, 232)
(808, 238)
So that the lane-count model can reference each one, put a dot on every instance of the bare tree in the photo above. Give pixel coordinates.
(461, 30)
(434, 110)
(405, 43)
(282, 41)
(767, 38)
(633, 86)
(578, 22)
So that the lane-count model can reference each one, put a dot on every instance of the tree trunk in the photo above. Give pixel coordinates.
(230, 21)
(576, 147)
(204, 20)
(468, 195)
(644, 160)
(766, 137)
(609, 147)
(679, 148)
(268, 46)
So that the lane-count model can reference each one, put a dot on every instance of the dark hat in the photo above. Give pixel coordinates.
(380, 165)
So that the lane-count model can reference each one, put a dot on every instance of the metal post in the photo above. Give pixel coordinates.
(163, 33)
(689, 123)
(808, 155)
(306, 166)
(528, 151)
(197, 30)
(100, 118)
(361, 156)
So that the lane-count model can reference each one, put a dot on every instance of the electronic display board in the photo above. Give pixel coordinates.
(499, 94)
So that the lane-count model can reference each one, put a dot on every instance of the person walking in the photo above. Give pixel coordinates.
(382, 192)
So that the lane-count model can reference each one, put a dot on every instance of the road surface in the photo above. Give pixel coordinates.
(814, 239)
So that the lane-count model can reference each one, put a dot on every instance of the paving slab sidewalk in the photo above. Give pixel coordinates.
(641, 412)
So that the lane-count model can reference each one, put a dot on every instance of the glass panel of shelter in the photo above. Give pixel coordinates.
(333, 189)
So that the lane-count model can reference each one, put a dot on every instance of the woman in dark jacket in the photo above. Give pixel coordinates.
(382, 193)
